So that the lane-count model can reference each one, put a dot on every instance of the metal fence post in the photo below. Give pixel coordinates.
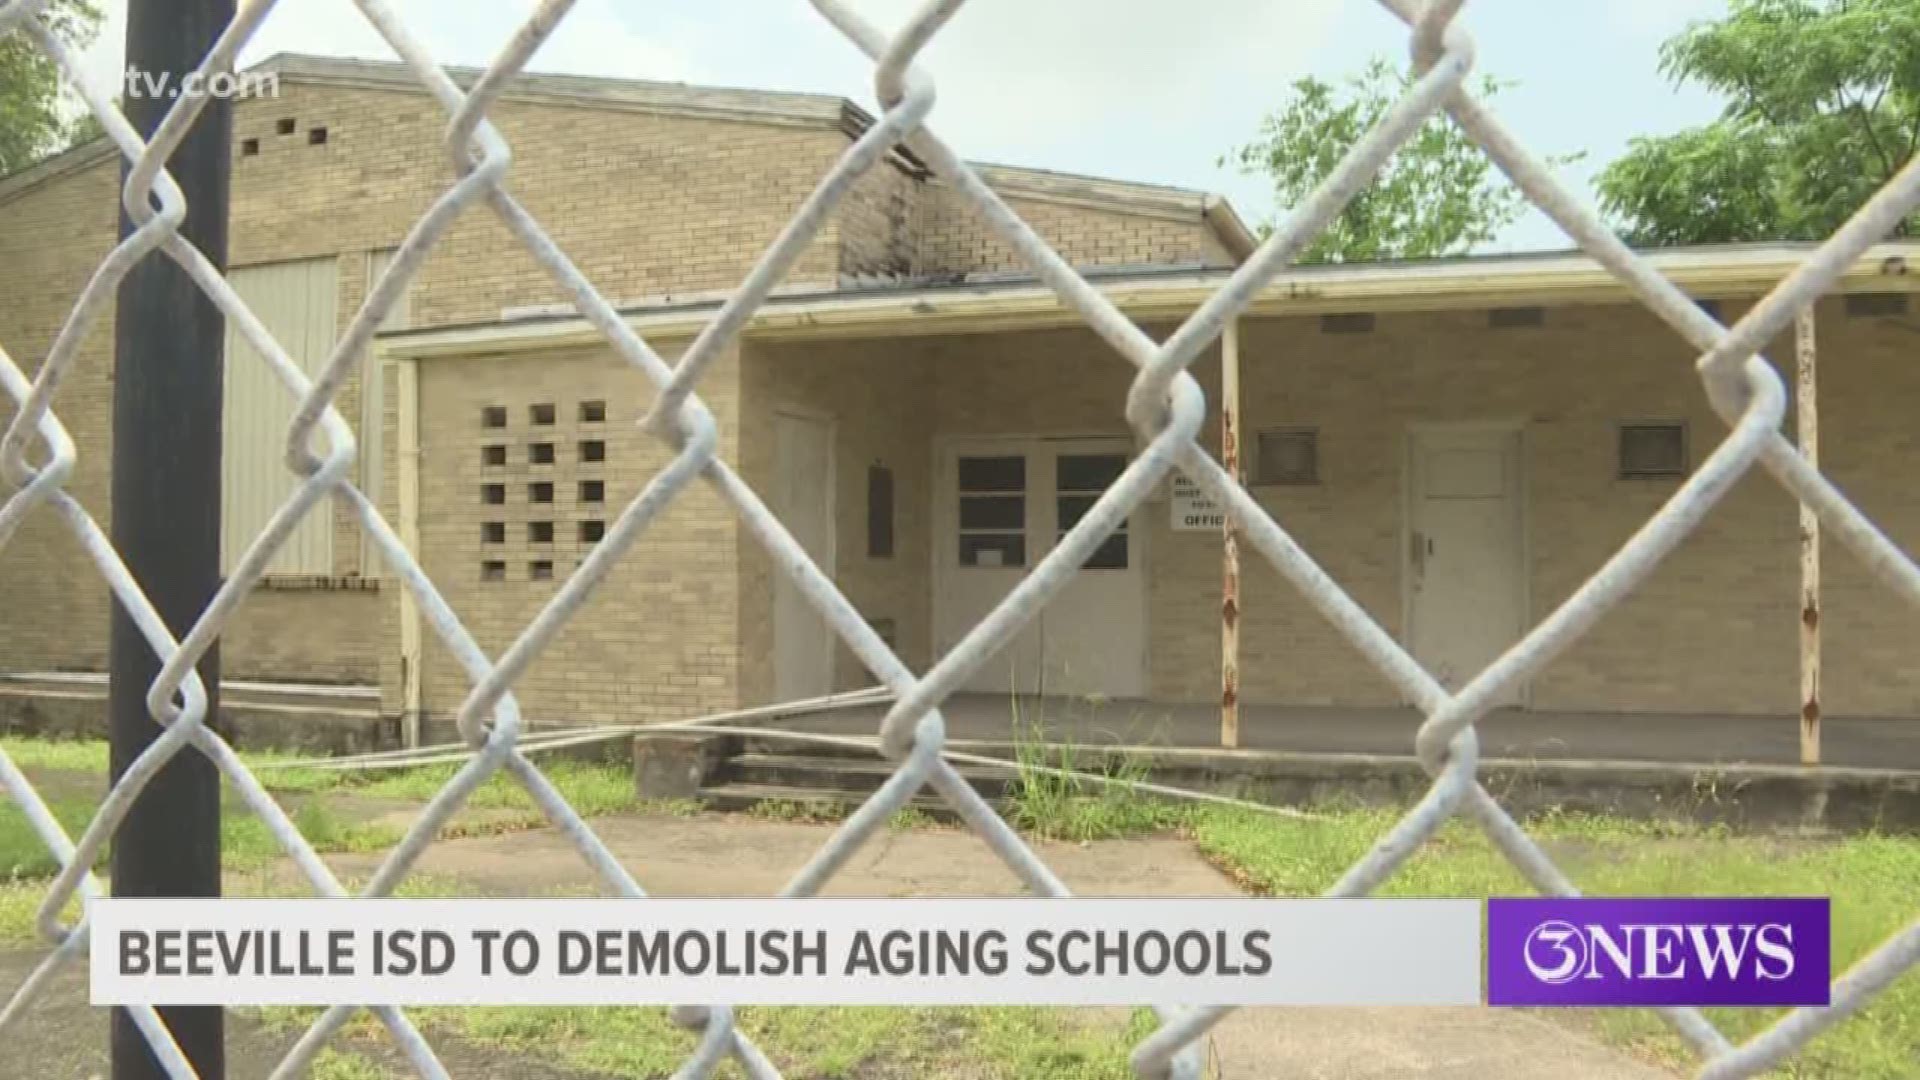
(168, 339)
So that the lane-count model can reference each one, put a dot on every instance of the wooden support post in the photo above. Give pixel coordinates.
(408, 459)
(1808, 413)
(1230, 547)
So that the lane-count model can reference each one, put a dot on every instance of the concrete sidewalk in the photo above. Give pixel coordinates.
(714, 855)
(1509, 733)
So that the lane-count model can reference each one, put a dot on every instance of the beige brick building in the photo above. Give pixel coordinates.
(1459, 444)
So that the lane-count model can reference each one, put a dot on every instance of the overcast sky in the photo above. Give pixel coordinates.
(1151, 90)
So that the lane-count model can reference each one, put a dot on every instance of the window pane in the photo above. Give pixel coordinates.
(993, 549)
(1110, 555)
(1088, 472)
(993, 512)
(993, 473)
(1072, 508)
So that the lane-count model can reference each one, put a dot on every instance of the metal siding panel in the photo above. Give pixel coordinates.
(297, 302)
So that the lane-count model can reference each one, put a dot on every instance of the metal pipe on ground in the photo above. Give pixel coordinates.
(444, 753)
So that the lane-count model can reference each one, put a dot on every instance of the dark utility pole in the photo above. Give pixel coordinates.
(168, 339)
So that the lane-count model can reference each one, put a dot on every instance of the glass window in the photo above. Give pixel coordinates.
(1088, 472)
(993, 511)
(993, 473)
(1079, 480)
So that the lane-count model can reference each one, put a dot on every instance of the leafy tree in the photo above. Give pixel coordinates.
(1438, 195)
(32, 121)
(86, 127)
(1823, 107)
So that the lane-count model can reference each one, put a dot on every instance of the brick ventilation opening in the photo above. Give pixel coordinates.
(540, 491)
(1872, 305)
(540, 453)
(1653, 450)
(493, 494)
(493, 416)
(317, 136)
(1288, 457)
(541, 415)
(285, 125)
(593, 491)
(493, 532)
(593, 450)
(249, 147)
(593, 412)
(592, 531)
(493, 455)
(1514, 317)
(493, 570)
(540, 570)
(540, 532)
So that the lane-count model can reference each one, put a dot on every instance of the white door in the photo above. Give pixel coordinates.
(1007, 502)
(802, 499)
(1093, 636)
(1465, 574)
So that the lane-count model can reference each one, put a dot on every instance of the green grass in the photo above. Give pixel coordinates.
(1071, 806)
(815, 1042)
(592, 787)
(244, 839)
(811, 811)
(1873, 881)
(332, 1064)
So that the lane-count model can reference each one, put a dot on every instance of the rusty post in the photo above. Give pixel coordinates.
(1808, 416)
(1230, 547)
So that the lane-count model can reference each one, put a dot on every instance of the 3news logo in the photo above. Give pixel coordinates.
(1699, 952)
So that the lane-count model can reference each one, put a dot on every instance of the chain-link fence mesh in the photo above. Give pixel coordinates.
(1164, 406)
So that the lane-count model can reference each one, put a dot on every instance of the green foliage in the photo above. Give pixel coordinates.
(332, 1064)
(23, 854)
(810, 811)
(1057, 794)
(32, 121)
(1438, 195)
(1822, 108)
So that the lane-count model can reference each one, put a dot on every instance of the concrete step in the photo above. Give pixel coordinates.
(832, 804)
(816, 772)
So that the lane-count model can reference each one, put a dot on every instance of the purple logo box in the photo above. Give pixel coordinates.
(1692, 951)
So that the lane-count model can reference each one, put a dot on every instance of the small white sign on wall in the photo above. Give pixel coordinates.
(1193, 509)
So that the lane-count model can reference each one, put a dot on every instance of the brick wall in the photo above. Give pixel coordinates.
(880, 398)
(955, 239)
(657, 641)
(645, 204)
(51, 240)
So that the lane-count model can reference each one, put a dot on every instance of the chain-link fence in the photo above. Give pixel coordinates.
(1165, 406)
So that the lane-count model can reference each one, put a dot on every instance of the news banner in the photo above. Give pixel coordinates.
(1406, 952)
